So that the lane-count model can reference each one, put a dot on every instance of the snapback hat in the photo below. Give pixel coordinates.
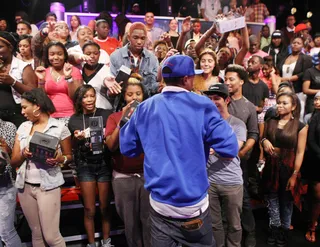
(317, 95)
(179, 66)
(188, 43)
(219, 89)
(135, 5)
(276, 34)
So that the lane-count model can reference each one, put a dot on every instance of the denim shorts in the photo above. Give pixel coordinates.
(93, 171)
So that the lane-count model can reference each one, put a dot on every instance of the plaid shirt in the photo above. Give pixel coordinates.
(260, 12)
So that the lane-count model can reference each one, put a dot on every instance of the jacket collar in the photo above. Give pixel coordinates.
(125, 51)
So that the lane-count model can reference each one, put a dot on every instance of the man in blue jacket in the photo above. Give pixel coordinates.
(175, 130)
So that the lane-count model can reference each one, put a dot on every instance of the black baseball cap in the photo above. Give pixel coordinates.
(219, 89)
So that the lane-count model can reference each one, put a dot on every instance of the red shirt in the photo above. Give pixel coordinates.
(109, 44)
(122, 163)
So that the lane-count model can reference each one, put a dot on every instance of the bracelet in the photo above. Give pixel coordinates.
(41, 83)
(65, 159)
(69, 79)
(295, 172)
(14, 83)
(263, 139)
(118, 126)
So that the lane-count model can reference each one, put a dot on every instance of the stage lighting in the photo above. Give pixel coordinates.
(309, 14)
(293, 11)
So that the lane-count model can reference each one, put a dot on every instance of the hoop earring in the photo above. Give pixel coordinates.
(36, 115)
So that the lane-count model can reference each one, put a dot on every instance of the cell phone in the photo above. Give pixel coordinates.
(129, 112)
(123, 74)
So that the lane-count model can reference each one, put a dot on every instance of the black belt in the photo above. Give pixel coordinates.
(33, 185)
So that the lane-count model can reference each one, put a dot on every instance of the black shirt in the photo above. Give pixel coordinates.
(81, 122)
(255, 92)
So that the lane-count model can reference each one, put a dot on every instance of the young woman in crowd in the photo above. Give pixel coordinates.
(94, 73)
(311, 169)
(284, 142)
(131, 198)
(293, 69)
(75, 54)
(207, 63)
(8, 192)
(160, 49)
(16, 78)
(93, 170)
(59, 80)
(174, 35)
(75, 23)
(24, 49)
(39, 182)
(311, 85)
(4, 26)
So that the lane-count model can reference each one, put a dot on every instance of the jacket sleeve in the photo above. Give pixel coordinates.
(130, 144)
(219, 134)
(306, 63)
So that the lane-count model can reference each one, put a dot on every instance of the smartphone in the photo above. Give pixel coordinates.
(129, 112)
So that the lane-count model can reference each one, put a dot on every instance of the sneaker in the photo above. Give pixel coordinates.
(282, 239)
(106, 243)
(91, 245)
(250, 240)
(273, 235)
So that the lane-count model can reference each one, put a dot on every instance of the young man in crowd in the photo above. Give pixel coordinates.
(154, 33)
(240, 107)
(136, 57)
(288, 31)
(255, 90)
(176, 150)
(225, 177)
(254, 49)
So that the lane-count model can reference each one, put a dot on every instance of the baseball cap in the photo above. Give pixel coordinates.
(219, 89)
(179, 66)
(188, 43)
(135, 5)
(317, 95)
(276, 34)
(300, 27)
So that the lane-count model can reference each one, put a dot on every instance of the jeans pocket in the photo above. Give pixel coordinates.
(194, 235)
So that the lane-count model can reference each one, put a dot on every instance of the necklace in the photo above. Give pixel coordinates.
(54, 74)
(87, 143)
(282, 124)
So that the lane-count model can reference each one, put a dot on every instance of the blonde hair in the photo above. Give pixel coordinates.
(137, 25)
(134, 79)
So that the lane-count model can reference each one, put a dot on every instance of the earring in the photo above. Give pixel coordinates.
(36, 115)
(292, 117)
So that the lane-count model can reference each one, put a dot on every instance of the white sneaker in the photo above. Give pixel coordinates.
(107, 244)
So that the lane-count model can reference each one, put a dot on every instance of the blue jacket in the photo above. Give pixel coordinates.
(175, 131)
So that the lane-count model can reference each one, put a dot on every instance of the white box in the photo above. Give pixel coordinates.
(227, 25)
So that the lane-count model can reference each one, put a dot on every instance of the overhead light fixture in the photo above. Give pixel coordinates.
(293, 11)
(309, 14)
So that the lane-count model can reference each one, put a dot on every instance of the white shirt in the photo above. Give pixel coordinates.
(211, 8)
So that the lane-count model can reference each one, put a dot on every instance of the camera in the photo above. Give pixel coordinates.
(96, 134)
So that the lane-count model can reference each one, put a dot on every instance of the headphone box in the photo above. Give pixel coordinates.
(96, 134)
(43, 146)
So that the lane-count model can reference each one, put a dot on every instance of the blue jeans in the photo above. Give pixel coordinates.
(8, 232)
(169, 232)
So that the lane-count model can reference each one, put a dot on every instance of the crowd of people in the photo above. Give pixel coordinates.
(221, 118)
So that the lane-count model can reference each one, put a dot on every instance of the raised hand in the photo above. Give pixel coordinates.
(41, 73)
(186, 25)
(67, 70)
